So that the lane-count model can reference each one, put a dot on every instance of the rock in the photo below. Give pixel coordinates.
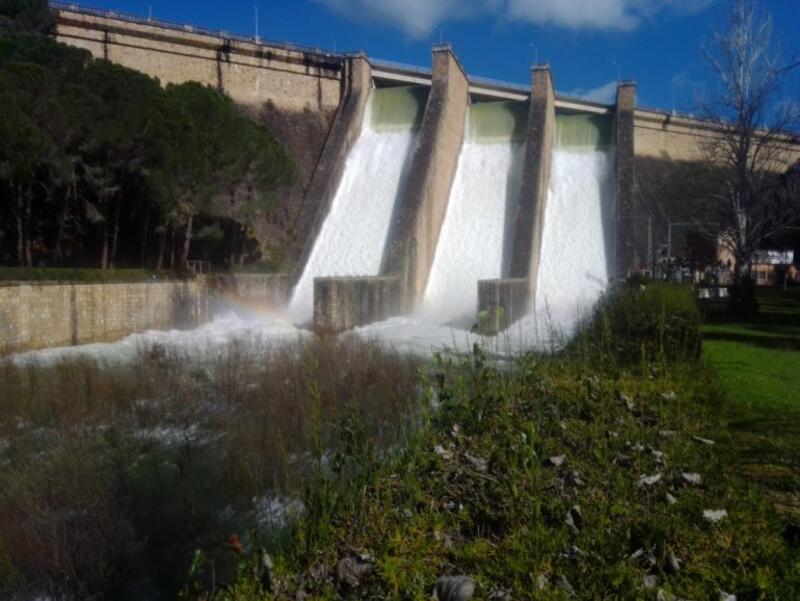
(691, 478)
(266, 571)
(454, 588)
(636, 555)
(445, 454)
(351, 570)
(478, 463)
(670, 499)
(723, 596)
(563, 584)
(500, 594)
(623, 460)
(556, 460)
(649, 481)
(650, 581)
(542, 582)
(669, 396)
(626, 401)
(574, 519)
(574, 479)
(705, 441)
(573, 553)
(673, 563)
(715, 515)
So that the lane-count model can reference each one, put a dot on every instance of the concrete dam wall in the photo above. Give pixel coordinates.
(426, 192)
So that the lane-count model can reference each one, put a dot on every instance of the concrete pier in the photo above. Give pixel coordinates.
(419, 218)
(342, 303)
(529, 222)
(626, 177)
(501, 303)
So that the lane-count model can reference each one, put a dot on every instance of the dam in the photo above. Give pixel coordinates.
(429, 201)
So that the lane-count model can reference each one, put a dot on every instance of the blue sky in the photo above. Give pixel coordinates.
(589, 43)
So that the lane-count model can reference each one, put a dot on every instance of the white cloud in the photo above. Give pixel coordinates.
(418, 18)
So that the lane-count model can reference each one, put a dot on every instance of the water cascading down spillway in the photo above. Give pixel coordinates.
(475, 241)
(578, 243)
(352, 239)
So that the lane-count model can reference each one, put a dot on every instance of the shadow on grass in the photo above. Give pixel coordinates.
(780, 343)
(767, 433)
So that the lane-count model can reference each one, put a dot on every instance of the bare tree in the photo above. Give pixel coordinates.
(757, 125)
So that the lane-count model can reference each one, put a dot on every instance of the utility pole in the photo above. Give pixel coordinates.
(255, 9)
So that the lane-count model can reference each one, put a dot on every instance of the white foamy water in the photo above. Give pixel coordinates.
(475, 239)
(256, 333)
(353, 237)
(578, 242)
(419, 335)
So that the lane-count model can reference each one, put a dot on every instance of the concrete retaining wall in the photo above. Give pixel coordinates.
(501, 303)
(342, 303)
(626, 178)
(529, 220)
(35, 316)
(258, 291)
(420, 215)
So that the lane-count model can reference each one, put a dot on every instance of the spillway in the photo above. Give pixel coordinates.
(475, 240)
(353, 236)
(578, 241)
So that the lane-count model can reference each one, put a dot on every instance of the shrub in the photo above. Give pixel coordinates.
(62, 274)
(659, 322)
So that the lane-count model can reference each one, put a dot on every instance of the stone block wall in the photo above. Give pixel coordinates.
(42, 315)
(259, 291)
(249, 73)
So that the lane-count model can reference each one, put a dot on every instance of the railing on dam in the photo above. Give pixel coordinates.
(185, 28)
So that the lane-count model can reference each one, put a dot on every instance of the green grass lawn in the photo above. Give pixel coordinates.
(759, 365)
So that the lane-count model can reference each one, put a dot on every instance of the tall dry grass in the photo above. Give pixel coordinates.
(109, 474)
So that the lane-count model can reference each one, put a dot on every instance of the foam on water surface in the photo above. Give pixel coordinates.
(255, 332)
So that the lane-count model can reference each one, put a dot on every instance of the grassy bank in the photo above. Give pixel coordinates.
(551, 480)
(608, 471)
(589, 475)
(758, 364)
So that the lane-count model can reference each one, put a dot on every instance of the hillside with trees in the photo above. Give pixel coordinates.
(100, 166)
